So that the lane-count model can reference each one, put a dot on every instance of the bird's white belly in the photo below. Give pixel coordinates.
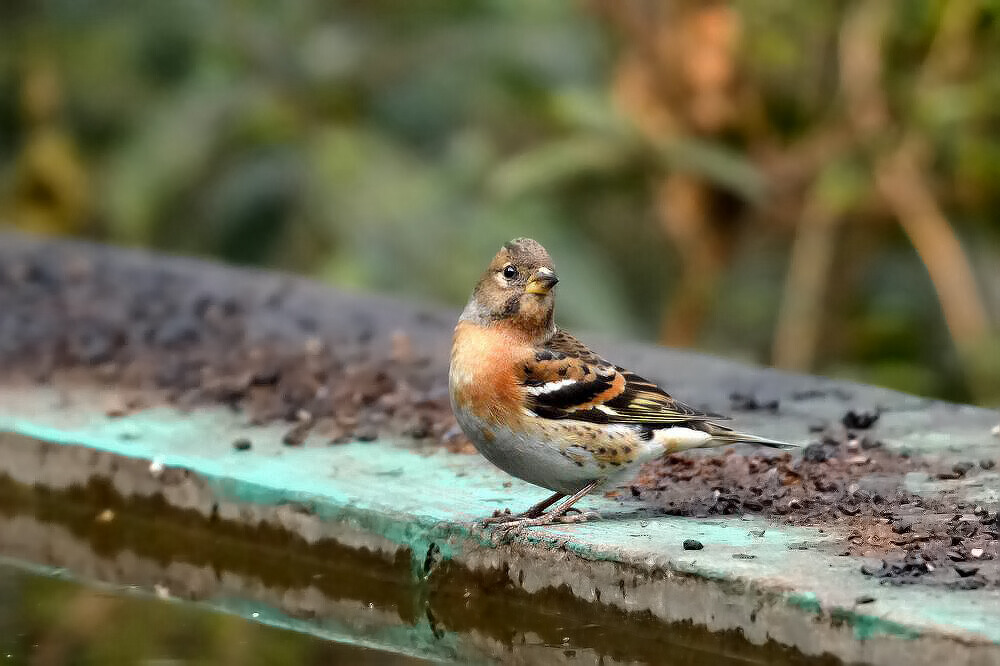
(530, 457)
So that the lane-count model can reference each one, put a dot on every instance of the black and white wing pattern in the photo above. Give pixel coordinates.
(566, 380)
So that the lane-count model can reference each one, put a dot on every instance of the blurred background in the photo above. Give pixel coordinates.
(806, 185)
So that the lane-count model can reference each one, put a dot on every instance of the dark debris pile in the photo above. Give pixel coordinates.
(844, 482)
(155, 334)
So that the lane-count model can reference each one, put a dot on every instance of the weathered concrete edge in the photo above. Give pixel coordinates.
(670, 593)
(53, 550)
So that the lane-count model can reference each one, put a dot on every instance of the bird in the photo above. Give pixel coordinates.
(540, 405)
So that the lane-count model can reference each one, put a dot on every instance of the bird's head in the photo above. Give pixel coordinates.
(516, 290)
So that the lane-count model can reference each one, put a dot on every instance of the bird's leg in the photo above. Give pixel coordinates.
(556, 515)
(506, 516)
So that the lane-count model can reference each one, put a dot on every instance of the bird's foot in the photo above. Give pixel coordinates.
(503, 516)
(516, 523)
(537, 515)
(510, 521)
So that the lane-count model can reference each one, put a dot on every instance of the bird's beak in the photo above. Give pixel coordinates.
(542, 282)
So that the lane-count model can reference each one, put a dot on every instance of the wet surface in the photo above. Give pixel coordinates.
(151, 548)
(52, 621)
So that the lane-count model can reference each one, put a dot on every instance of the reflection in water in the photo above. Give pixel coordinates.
(51, 622)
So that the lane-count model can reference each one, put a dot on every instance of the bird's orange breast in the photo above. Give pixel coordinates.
(483, 375)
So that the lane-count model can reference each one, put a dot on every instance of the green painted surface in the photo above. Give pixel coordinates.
(414, 498)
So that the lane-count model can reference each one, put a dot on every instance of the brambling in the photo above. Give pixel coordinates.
(540, 405)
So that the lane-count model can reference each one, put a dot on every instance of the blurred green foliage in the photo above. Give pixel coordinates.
(394, 146)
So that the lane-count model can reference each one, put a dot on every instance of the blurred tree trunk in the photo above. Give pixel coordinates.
(677, 77)
(901, 172)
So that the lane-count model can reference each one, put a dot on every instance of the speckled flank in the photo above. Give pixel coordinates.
(562, 456)
(602, 446)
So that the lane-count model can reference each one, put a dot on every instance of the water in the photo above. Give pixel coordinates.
(48, 621)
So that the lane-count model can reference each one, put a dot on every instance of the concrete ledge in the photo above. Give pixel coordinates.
(411, 511)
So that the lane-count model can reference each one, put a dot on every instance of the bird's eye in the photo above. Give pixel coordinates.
(510, 272)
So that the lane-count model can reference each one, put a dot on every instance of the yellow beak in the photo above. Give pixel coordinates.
(542, 282)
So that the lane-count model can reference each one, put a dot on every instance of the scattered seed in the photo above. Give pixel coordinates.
(966, 570)
(867, 443)
(748, 402)
(849, 509)
(297, 435)
(815, 453)
(860, 420)
(692, 544)
(872, 570)
(902, 526)
(970, 583)
(961, 468)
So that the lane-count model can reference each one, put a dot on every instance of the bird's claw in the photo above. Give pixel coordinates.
(580, 517)
(501, 516)
(517, 523)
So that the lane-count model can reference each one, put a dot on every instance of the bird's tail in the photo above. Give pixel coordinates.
(729, 437)
(707, 435)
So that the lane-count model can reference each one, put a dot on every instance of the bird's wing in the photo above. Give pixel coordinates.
(566, 380)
